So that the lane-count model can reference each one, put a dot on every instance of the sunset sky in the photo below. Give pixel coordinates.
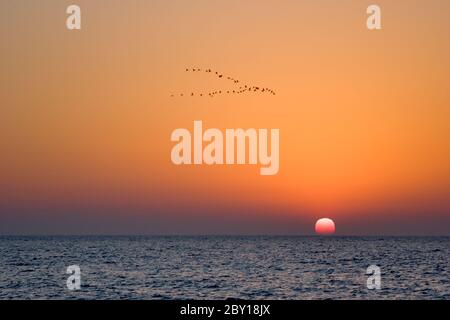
(86, 116)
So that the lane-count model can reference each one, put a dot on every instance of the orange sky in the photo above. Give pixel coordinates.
(86, 116)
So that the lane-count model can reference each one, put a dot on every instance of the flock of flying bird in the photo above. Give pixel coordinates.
(243, 88)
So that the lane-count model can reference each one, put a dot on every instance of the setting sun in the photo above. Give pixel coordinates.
(325, 226)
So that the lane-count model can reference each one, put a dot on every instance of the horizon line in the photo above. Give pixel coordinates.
(224, 235)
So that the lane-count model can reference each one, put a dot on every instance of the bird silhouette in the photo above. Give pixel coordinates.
(241, 89)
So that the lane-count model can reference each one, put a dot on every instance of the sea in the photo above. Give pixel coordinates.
(224, 267)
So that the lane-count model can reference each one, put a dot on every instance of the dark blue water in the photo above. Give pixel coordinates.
(224, 267)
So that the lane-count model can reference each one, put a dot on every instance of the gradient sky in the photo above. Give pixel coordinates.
(86, 116)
